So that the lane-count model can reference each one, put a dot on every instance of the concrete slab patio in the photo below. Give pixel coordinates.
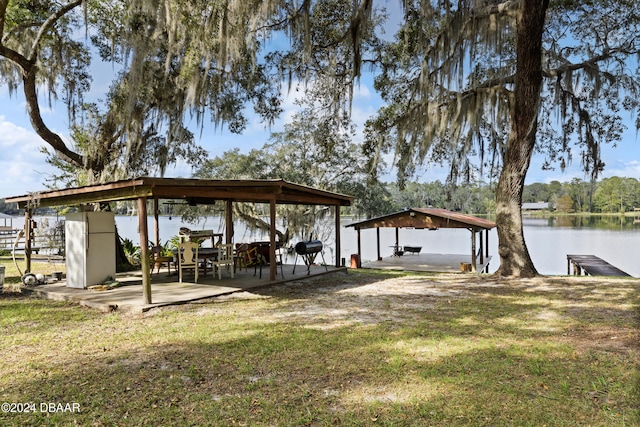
(166, 290)
(428, 262)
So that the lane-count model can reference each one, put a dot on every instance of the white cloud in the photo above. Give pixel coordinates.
(22, 164)
(623, 168)
(362, 92)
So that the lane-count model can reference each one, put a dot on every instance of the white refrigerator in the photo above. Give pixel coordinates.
(90, 241)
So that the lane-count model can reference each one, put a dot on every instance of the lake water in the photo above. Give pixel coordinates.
(614, 239)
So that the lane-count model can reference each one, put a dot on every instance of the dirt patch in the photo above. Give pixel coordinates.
(624, 341)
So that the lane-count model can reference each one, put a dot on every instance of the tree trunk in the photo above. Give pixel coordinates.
(514, 255)
(33, 108)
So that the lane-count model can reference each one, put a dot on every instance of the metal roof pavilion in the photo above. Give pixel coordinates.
(431, 219)
(195, 191)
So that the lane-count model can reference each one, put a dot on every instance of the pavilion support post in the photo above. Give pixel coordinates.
(397, 239)
(378, 243)
(229, 222)
(473, 251)
(359, 263)
(486, 248)
(481, 248)
(28, 234)
(337, 226)
(156, 223)
(272, 239)
(144, 250)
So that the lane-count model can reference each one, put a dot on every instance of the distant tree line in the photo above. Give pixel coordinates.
(9, 209)
(476, 197)
(609, 195)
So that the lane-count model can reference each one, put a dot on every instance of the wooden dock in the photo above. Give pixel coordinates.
(593, 266)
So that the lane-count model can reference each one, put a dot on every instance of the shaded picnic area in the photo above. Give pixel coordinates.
(125, 296)
(192, 191)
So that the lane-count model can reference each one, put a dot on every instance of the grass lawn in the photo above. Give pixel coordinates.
(12, 274)
(357, 349)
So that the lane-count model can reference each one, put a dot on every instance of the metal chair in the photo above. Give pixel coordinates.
(248, 256)
(258, 260)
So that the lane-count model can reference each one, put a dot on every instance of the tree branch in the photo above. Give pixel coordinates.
(19, 28)
(589, 63)
(484, 9)
(498, 82)
(3, 12)
(48, 24)
(52, 138)
(29, 70)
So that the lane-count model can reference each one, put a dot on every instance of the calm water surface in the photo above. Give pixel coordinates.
(614, 239)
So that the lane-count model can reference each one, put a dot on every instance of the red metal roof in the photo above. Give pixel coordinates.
(418, 217)
(457, 216)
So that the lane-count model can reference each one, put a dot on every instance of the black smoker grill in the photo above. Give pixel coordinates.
(308, 251)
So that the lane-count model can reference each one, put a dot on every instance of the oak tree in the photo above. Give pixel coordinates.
(482, 85)
(174, 60)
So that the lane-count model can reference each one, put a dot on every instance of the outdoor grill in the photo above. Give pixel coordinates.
(309, 247)
(308, 251)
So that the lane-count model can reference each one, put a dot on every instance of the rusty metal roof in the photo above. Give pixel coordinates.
(198, 191)
(431, 218)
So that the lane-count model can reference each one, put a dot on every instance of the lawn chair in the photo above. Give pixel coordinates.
(258, 260)
(248, 256)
